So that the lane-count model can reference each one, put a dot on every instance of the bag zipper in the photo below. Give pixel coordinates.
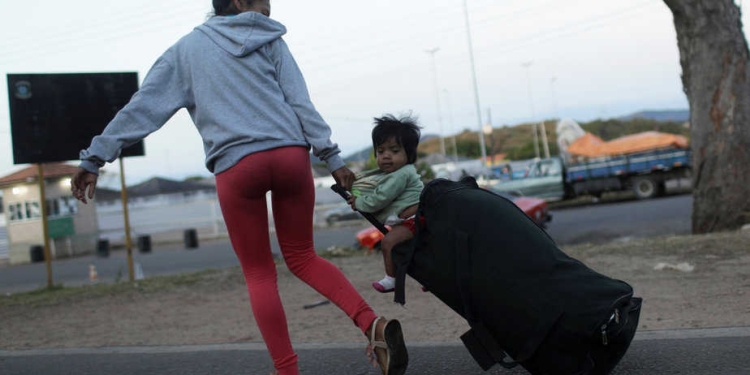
(614, 317)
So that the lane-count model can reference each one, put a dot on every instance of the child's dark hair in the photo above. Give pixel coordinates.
(404, 130)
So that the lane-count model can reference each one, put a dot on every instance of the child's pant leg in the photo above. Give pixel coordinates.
(293, 201)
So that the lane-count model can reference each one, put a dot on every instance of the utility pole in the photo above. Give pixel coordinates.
(554, 99)
(527, 65)
(491, 133)
(437, 98)
(450, 121)
(478, 109)
(543, 129)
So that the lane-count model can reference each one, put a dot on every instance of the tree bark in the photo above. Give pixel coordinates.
(714, 59)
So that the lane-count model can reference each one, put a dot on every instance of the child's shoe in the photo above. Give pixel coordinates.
(386, 285)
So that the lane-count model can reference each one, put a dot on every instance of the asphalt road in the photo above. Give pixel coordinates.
(599, 223)
(163, 260)
(593, 223)
(690, 352)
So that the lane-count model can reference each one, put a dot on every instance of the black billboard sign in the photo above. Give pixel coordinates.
(55, 116)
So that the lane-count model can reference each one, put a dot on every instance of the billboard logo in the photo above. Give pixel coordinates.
(23, 90)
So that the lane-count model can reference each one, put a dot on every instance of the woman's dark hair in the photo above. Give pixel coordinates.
(227, 8)
(404, 130)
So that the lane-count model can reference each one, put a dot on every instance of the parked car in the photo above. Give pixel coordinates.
(342, 213)
(535, 208)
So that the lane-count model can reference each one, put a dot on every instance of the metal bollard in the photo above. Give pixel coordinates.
(144, 244)
(191, 238)
(37, 253)
(102, 248)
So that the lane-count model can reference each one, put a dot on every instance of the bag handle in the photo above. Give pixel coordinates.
(370, 217)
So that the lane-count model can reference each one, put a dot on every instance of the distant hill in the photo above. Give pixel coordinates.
(361, 155)
(677, 115)
(364, 154)
(517, 141)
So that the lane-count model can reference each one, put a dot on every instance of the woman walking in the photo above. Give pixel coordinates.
(246, 95)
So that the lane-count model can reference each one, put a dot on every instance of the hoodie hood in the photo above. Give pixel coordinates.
(242, 34)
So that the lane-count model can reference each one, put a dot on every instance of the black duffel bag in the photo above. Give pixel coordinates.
(527, 302)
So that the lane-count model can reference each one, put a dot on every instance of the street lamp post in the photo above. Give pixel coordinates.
(476, 89)
(527, 65)
(437, 97)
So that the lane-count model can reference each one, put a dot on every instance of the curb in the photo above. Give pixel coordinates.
(675, 334)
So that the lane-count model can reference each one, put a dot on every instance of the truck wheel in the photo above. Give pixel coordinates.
(645, 188)
(570, 193)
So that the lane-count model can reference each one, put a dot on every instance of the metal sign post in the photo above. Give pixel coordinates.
(128, 243)
(43, 198)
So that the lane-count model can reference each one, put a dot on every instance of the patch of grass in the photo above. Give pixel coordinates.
(62, 294)
(340, 252)
(721, 244)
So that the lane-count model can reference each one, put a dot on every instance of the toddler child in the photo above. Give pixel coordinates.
(391, 192)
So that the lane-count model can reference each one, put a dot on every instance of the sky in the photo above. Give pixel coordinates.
(533, 60)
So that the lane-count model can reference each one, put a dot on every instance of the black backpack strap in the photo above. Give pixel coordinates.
(401, 256)
(463, 274)
(478, 340)
(403, 253)
(484, 349)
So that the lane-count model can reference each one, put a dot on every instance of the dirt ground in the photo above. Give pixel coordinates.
(213, 307)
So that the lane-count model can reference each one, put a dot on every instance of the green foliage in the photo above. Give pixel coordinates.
(524, 152)
(469, 148)
(371, 163)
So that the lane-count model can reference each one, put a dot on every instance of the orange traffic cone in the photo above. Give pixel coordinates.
(93, 275)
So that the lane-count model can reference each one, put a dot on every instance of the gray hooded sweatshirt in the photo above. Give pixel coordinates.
(242, 88)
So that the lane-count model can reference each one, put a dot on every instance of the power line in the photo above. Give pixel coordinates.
(61, 42)
(586, 25)
(112, 20)
(376, 49)
(457, 27)
(571, 29)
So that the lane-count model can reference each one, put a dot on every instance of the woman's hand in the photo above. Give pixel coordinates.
(344, 177)
(83, 180)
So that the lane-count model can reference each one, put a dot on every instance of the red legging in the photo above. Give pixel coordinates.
(242, 191)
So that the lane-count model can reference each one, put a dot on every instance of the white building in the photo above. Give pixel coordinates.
(72, 228)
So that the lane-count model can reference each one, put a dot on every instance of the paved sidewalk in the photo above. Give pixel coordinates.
(686, 352)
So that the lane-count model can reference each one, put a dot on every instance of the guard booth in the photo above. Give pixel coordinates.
(72, 226)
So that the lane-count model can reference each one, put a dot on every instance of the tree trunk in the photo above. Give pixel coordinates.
(714, 59)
